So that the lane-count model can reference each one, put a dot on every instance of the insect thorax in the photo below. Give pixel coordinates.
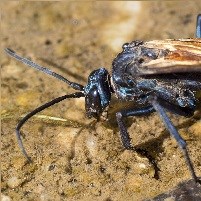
(129, 85)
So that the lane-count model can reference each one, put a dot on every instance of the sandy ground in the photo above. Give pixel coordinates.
(75, 158)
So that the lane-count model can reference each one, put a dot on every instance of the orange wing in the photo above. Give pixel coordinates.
(182, 55)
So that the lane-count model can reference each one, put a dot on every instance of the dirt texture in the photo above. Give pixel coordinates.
(75, 158)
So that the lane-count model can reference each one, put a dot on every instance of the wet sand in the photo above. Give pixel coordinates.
(75, 158)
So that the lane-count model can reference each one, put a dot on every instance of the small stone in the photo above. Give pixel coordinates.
(91, 143)
(5, 198)
(13, 70)
(14, 182)
(142, 165)
(144, 168)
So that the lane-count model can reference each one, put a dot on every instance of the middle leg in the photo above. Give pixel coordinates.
(125, 138)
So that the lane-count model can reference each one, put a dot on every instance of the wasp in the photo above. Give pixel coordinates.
(157, 76)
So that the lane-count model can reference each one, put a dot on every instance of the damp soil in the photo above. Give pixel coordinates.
(75, 158)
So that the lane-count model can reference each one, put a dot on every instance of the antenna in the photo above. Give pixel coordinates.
(30, 63)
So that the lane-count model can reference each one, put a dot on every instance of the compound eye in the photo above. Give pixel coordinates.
(125, 45)
(93, 103)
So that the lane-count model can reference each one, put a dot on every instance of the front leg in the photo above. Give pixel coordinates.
(122, 127)
(125, 136)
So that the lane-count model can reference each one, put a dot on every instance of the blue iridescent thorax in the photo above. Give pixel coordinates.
(129, 85)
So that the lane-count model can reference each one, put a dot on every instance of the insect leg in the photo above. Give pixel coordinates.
(125, 136)
(122, 127)
(198, 26)
(39, 109)
(173, 131)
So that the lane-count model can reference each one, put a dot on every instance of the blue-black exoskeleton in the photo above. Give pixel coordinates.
(158, 76)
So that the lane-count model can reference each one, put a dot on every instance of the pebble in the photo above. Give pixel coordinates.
(5, 198)
(91, 143)
(13, 70)
(14, 182)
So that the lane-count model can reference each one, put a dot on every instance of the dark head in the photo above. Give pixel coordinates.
(97, 93)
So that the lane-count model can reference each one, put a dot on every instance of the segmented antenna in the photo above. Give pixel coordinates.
(37, 110)
(30, 63)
